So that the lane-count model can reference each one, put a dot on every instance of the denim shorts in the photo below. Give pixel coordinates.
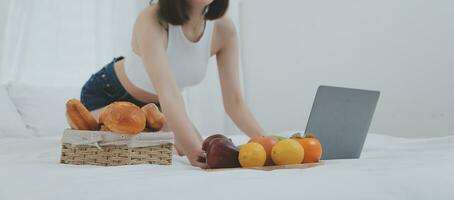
(104, 88)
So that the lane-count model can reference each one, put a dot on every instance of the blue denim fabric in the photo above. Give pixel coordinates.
(104, 88)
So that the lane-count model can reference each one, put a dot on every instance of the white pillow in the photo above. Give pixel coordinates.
(11, 123)
(43, 107)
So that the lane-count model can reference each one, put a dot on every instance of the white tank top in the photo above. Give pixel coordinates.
(188, 60)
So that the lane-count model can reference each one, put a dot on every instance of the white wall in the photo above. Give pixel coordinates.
(4, 4)
(403, 48)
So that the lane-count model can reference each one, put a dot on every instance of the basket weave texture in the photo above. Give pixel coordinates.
(116, 154)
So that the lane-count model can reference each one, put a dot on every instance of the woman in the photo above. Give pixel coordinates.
(172, 42)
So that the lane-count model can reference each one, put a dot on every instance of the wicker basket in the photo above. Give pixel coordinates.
(111, 149)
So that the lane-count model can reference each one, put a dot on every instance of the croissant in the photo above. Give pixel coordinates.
(79, 117)
(155, 119)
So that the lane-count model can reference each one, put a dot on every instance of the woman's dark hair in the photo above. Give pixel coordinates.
(175, 12)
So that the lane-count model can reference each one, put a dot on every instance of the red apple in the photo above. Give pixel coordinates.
(207, 141)
(222, 153)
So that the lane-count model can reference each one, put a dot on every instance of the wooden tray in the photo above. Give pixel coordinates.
(271, 168)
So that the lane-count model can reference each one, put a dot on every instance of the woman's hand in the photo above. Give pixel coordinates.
(197, 158)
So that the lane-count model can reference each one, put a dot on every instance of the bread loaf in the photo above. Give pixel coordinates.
(123, 117)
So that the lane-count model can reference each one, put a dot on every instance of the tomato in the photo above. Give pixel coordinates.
(312, 147)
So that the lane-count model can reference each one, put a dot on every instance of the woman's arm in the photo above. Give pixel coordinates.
(150, 42)
(228, 67)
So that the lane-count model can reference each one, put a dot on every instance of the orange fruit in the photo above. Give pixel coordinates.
(287, 152)
(267, 142)
(312, 147)
(280, 137)
(252, 155)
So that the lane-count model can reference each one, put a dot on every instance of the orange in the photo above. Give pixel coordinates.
(280, 137)
(312, 147)
(267, 142)
(252, 155)
(287, 152)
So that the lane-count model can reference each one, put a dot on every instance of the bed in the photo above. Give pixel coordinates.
(390, 168)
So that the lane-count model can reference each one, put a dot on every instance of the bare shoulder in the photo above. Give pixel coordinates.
(149, 18)
(225, 27)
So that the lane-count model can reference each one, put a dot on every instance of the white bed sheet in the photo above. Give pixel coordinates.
(390, 168)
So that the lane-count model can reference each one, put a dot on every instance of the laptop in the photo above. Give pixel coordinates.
(340, 118)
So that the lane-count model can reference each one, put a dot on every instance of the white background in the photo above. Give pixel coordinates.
(3, 13)
(403, 48)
